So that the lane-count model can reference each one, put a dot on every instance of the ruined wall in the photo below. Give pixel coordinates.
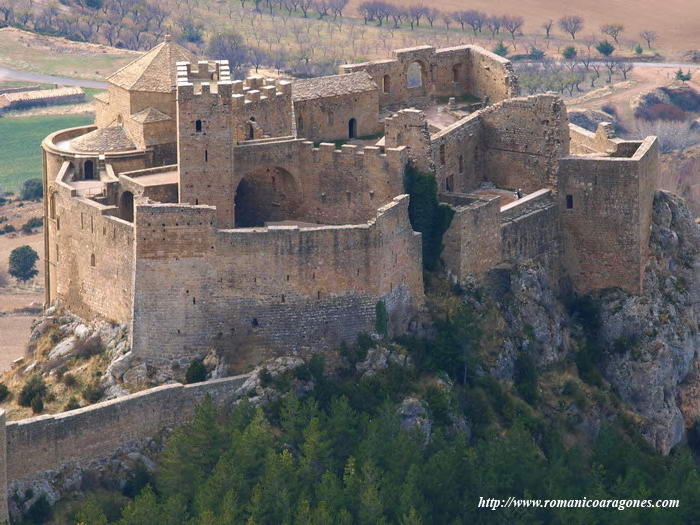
(260, 290)
(522, 139)
(456, 153)
(472, 243)
(42, 444)
(605, 216)
(456, 71)
(327, 118)
(490, 77)
(530, 230)
(409, 128)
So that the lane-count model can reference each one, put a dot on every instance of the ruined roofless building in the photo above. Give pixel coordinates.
(207, 212)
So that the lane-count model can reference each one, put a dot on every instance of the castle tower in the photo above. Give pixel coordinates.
(205, 137)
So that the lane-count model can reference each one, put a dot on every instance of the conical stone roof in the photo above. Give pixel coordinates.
(155, 71)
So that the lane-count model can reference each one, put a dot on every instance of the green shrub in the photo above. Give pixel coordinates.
(32, 190)
(501, 49)
(86, 348)
(39, 512)
(381, 320)
(265, 377)
(4, 392)
(31, 224)
(72, 404)
(37, 405)
(69, 380)
(22, 263)
(93, 392)
(34, 387)
(426, 214)
(196, 372)
(526, 378)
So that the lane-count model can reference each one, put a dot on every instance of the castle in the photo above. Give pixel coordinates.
(207, 212)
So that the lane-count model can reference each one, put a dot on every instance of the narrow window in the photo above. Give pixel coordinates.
(461, 164)
(255, 322)
(282, 297)
(194, 300)
(449, 183)
(57, 255)
(301, 123)
(318, 295)
(198, 126)
(569, 202)
(92, 259)
(442, 154)
(387, 84)
(206, 155)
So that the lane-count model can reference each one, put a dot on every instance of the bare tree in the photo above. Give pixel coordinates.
(595, 73)
(415, 13)
(610, 65)
(513, 24)
(625, 68)
(648, 36)
(475, 19)
(571, 24)
(547, 26)
(432, 14)
(337, 7)
(613, 31)
(494, 24)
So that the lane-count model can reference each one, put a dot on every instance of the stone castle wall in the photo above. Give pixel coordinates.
(89, 255)
(31, 448)
(327, 118)
(472, 243)
(263, 289)
(457, 71)
(530, 231)
(456, 153)
(522, 140)
(605, 216)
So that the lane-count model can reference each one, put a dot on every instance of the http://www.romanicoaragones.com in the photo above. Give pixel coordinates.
(613, 504)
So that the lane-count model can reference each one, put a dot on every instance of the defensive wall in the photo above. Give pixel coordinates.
(530, 231)
(41, 97)
(336, 107)
(42, 446)
(253, 291)
(472, 243)
(89, 261)
(448, 72)
(605, 207)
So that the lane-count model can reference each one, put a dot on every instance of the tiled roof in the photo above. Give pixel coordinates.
(148, 115)
(155, 71)
(332, 86)
(113, 138)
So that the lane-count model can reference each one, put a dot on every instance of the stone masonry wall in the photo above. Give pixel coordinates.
(530, 230)
(327, 118)
(456, 154)
(90, 257)
(455, 71)
(522, 140)
(472, 244)
(257, 290)
(29, 448)
(605, 216)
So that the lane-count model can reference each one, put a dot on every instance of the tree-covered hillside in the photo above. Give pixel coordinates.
(351, 452)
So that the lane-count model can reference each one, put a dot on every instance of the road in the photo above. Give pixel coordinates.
(12, 74)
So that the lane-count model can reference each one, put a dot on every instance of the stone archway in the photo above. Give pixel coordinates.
(416, 75)
(266, 194)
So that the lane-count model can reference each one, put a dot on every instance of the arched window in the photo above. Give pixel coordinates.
(352, 128)
(414, 75)
(198, 126)
(250, 131)
(301, 122)
(386, 84)
(89, 170)
(92, 259)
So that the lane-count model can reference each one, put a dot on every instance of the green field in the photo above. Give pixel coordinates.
(20, 145)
